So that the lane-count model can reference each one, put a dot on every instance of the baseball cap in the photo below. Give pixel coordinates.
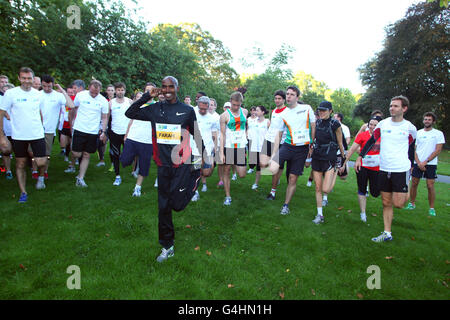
(325, 105)
(227, 105)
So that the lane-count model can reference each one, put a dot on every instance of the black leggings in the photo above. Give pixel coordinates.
(115, 143)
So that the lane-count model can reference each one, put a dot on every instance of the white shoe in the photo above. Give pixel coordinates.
(66, 159)
(165, 254)
(77, 162)
(70, 169)
(324, 203)
(40, 184)
(227, 201)
(363, 217)
(100, 164)
(118, 181)
(234, 178)
(254, 186)
(250, 171)
(136, 192)
(309, 183)
(135, 174)
(156, 183)
(196, 196)
(80, 183)
(204, 188)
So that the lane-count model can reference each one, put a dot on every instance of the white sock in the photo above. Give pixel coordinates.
(319, 211)
(41, 178)
(325, 197)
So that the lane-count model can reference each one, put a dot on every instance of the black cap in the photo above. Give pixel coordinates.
(325, 105)
(378, 118)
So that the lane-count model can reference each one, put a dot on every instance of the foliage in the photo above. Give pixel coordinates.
(415, 66)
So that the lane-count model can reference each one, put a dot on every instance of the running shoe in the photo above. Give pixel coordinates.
(432, 212)
(196, 196)
(77, 162)
(270, 196)
(250, 171)
(23, 198)
(204, 188)
(111, 169)
(363, 217)
(40, 184)
(118, 181)
(66, 159)
(319, 219)
(156, 183)
(9, 175)
(135, 174)
(70, 169)
(136, 192)
(324, 203)
(234, 178)
(100, 164)
(227, 201)
(382, 237)
(80, 183)
(254, 186)
(410, 206)
(165, 254)
(309, 183)
(285, 210)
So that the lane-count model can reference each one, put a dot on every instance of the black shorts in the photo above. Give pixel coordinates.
(393, 181)
(295, 156)
(84, 142)
(66, 132)
(322, 165)
(429, 173)
(38, 147)
(366, 175)
(235, 156)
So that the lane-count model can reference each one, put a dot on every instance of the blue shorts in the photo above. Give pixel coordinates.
(143, 151)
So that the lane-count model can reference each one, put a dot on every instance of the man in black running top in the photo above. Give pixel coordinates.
(172, 122)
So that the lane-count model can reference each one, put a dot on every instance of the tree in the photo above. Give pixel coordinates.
(415, 66)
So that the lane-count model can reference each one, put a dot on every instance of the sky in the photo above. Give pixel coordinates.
(331, 38)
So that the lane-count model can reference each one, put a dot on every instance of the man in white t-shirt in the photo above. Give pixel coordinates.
(429, 144)
(119, 125)
(54, 103)
(24, 105)
(209, 129)
(92, 108)
(395, 134)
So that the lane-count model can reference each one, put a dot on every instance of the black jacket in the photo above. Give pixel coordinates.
(162, 115)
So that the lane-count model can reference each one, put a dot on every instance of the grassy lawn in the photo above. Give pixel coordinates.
(246, 251)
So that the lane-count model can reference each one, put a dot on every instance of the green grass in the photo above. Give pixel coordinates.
(113, 238)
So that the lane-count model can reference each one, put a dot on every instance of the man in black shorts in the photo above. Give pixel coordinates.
(92, 107)
(172, 122)
(24, 105)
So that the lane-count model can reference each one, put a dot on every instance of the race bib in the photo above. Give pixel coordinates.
(237, 137)
(168, 133)
(301, 137)
(371, 161)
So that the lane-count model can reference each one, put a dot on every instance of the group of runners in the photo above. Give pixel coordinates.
(187, 142)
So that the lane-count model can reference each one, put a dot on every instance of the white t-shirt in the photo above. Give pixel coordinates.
(207, 124)
(272, 132)
(258, 133)
(426, 142)
(250, 126)
(119, 122)
(54, 102)
(216, 117)
(89, 112)
(395, 138)
(24, 109)
(140, 131)
(297, 123)
(6, 123)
